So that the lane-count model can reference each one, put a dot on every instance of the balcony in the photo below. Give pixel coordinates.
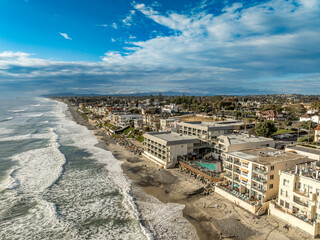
(259, 171)
(237, 179)
(259, 189)
(237, 163)
(260, 180)
(228, 175)
(298, 201)
(228, 160)
(228, 167)
(301, 193)
(237, 171)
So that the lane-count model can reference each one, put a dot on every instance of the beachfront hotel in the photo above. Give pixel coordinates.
(238, 142)
(299, 197)
(206, 131)
(163, 148)
(255, 173)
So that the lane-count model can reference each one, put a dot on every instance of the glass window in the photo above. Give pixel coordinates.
(281, 202)
(271, 177)
(272, 168)
(318, 192)
(287, 205)
(285, 182)
(270, 186)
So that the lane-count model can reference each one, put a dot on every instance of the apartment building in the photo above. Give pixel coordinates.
(207, 131)
(168, 125)
(299, 197)
(255, 173)
(163, 148)
(311, 153)
(238, 142)
(127, 119)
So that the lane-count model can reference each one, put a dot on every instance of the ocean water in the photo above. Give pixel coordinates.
(55, 180)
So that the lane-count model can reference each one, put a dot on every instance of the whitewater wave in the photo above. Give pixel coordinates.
(6, 119)
(34, 115)
(18, 110)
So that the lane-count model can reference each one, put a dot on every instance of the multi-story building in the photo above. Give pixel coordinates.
(164, 148)
(255, 173)
(207, 131)
(238, 142)
(127, 119)
(168, 125)
(317, 134)
(299, 197)
(311, 153)
(272, 115)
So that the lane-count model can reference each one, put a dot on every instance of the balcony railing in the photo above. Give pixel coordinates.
(228, 160)
(228, 175)
(259, 171)
(259, 189)
(296, 200)
(261, 180)
(237, 163)
(228, 167)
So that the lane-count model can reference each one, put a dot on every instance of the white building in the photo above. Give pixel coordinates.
(311, 153)
(127, 119)
(172, 108)
(207, 131)
(164, 148)
(309, 117)
(238, 142)
(168, 125)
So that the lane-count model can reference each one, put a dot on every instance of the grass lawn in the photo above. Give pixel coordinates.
(283, 131)
(128, 130)
(140, 138)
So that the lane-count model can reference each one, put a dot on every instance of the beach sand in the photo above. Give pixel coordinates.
(170, 211)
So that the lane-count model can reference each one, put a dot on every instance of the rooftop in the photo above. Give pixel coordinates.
(266, 156)
(171, 138)
(304, 149)
(244, 138)
(213, 125)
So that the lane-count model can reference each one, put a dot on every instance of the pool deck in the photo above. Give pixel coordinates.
(205, 175)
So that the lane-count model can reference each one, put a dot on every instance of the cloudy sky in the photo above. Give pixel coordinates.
(197, 47)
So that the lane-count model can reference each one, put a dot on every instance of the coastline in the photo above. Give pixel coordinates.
(157, 191)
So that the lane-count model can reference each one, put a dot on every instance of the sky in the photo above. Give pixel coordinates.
(198, 47)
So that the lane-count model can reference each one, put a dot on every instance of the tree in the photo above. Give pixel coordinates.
(265, 129)
(307, 125)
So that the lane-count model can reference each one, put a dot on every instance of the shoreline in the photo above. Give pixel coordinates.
(169, 209)
(161, 187)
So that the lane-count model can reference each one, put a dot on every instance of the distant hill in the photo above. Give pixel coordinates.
(120, 95)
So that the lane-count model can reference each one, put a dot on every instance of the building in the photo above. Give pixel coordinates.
(172, 108)
(314, 117)
(272, 115)
(127, 119)
(255, 173)
(238, 142)
(163, 148)
(317, 134)
(311, 153)
(207, 131)
(299, 197)
(168, 125)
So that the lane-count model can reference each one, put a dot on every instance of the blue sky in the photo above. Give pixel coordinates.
(120, 46)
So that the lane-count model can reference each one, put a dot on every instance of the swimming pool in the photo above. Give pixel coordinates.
(210, 166)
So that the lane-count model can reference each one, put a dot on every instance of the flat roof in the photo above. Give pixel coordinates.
(171, 138)
(213, 125)
(305, 149)
(266, 156)
(244, 138)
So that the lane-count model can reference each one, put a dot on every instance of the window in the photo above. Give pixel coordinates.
(299, 185)
(318, 192)
(287, 205)
(270, 186)
(272, 168)
(271, 177)
(310, 189)
(281, 192)
(285, 182)
(281, 202)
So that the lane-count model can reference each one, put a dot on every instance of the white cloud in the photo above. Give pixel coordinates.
(242, 50)
(114, 25)
(128, 19)
(102, 25)
(65, 36)
(113, 40)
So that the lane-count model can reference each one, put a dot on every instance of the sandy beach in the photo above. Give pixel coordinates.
(189, 216)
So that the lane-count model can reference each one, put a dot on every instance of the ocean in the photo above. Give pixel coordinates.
(56, 182)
